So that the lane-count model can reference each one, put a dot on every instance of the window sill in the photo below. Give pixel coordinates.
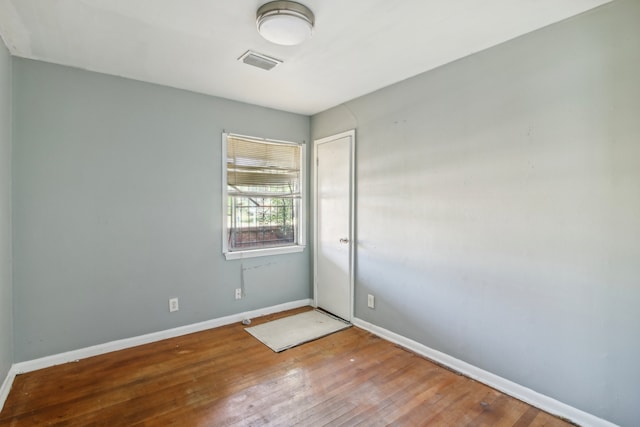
(253, 253)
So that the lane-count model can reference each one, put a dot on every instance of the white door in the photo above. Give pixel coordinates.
(334, 213)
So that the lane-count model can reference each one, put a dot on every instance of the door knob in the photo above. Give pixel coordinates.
(345, 241)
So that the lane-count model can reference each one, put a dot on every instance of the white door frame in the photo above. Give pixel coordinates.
(352, 220)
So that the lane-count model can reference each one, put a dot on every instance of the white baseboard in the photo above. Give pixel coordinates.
(96, 350)
(83, 353)
(525, 394)
(519, 392)
(6, 386)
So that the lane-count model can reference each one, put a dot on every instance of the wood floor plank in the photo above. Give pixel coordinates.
(502, 412)
(321, 372)
(225, 377)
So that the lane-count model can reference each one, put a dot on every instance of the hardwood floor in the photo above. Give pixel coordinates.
(225, 377)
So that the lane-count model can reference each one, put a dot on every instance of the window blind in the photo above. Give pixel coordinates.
(263, 167)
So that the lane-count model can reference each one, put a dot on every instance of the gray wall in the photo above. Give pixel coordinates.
(6, 299)
(498, 207)
(117, 208)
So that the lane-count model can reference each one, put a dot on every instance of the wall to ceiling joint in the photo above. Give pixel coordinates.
(498, 209)
(117, 207)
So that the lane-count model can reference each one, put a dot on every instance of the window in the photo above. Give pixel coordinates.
(263, 184)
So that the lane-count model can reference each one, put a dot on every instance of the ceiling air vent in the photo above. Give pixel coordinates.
(259, 60)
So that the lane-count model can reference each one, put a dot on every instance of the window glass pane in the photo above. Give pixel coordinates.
(263, 189)
(257, 222)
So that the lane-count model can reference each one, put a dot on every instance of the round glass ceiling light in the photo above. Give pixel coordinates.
(285, 22)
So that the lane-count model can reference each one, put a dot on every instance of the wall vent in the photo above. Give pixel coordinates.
(259, 60)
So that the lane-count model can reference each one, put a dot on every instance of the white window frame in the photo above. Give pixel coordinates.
(301, 213)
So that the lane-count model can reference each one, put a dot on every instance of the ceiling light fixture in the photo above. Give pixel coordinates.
(285, 22)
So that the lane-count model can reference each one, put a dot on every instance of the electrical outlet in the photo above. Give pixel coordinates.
(238, 293)
(173, 305)
(371, 301)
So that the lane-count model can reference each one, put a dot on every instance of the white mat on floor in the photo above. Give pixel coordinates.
(291, 331)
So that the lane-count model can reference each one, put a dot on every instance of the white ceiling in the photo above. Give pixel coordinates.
(358, 46)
